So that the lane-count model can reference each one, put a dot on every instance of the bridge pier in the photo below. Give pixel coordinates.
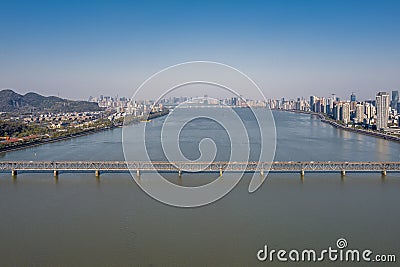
(302, 173)
(14, 173)
(55, 172)
(343, 172)
(220, 172)
(180, 173)
(138, 173)
(262, 172)
(97, 173)
(384, 173)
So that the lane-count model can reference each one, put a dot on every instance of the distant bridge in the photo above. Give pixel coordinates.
(179, 167)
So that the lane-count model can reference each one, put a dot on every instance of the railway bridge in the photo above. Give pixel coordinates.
(187, 167)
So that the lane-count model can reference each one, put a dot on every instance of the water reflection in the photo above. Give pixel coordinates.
(382, 150)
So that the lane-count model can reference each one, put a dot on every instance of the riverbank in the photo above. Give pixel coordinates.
(335, 124)
(52, 140)
(42, 141)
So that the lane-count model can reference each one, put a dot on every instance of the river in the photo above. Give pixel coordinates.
(81, 221)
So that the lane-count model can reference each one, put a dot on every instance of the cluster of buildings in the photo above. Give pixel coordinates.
(122, 106)
(58, 120)
(46, 125)
(380, 113)
(231, 101)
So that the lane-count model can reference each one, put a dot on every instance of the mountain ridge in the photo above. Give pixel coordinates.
(11, 101)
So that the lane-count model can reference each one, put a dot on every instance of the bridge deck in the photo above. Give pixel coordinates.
(121, 166)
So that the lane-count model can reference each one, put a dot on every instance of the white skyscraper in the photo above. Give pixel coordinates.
(382, 110)
(360, 113)
(346, 112)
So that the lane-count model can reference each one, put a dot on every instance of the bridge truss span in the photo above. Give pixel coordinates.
(122, 166)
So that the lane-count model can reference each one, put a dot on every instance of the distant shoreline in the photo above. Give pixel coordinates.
(340, 126)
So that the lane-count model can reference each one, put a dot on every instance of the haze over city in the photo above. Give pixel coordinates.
(79, 49)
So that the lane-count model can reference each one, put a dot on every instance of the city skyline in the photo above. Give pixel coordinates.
(76, 49)
(116, 95)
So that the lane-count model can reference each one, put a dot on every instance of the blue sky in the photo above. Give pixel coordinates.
(290, 48)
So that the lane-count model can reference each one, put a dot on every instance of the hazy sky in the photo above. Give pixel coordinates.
(290, 48)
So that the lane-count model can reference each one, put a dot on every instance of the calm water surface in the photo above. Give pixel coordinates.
(80, 221)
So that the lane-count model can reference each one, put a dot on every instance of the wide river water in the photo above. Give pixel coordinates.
(81, 221)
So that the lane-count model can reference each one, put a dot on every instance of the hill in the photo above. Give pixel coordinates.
(11, 101)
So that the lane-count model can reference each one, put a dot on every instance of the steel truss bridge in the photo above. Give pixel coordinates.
(121, 166)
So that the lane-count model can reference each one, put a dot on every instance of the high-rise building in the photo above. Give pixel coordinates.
(368, 110)
(336, 110)
(359, 113)
(312, 103)
(382, 110)
(345, 112)
(352, 97)
(234, 101)
(395, 99)
(353, 104)
(329, 106)
(318, 105)
(323, 105)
